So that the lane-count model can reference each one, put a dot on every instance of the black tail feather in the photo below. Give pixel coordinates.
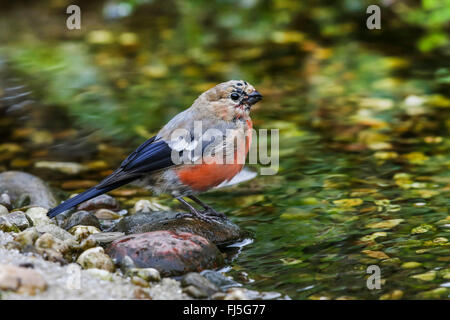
(86, 195)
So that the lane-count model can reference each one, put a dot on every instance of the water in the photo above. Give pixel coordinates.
(363, 119)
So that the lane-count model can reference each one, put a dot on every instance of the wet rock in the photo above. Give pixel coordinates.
(148, 274)
(170, 252)
(101, 202)
(106, 214)
(96, 258)
(3, 210)
(218, 279)
(21, 280)
(17, 184)
(83, 218)
(69, 168)
(105, 238)
(39, 216)
(220, 232)
(83, 232)
(17, 220)
(58, 233)
(204, 287)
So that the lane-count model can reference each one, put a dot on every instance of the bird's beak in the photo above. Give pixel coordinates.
(253, 98)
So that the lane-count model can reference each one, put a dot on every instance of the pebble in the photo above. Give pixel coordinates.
(3, 210)
(103, 201)
(15, 221)
(52, 249)
(202, 284)
(105, 238)
(5, 200)
(106, 214)
(69, 168)
(39, 216)
(83, 218)
(27, 237)
(96, 258)
(21, 280)
(148, 274)
(83, 232)
(221, 281)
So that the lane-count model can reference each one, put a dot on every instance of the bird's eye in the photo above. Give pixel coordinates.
(234, 96)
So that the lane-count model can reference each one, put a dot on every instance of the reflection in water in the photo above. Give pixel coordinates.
(363, 121)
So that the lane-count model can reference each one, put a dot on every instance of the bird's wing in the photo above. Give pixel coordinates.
(150, 156)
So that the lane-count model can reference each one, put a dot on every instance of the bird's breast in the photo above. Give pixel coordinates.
(210, 173)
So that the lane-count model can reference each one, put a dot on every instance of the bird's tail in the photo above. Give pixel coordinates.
(72, 202)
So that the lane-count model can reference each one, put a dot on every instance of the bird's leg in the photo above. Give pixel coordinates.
(208, 209)
(194, 211)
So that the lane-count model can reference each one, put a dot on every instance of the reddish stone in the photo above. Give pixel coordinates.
(171, 253)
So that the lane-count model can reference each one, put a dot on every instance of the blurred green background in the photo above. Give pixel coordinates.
(363, 118)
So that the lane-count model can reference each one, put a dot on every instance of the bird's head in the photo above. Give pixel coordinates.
(229, 100)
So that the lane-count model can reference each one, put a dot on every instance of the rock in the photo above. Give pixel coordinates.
(96, 258)
(52, 248)
(147, 206)
(195, 292)
(167, 289)
(106, 214)
(7, 226)
(139, 282)
(88, 243)
(5, 200)
(220, 232)
(58, 233)
(221, 281)
(16, 184)
(27, 237)
(39, 216)
(170, 252)
(16, 220)
(83, 232)
(3, 210)
(204, 286)
(21, 280)
(148, 274)
(101, 274)
(83, 218)
(69, 168)
(105, 238)
(101, 202)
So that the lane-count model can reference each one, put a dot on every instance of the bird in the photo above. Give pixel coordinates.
(198, 149)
